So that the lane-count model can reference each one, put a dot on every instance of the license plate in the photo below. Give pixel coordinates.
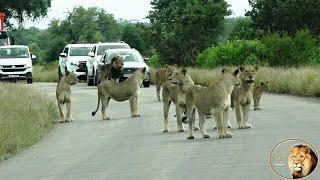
(13, 76)
(127, 75)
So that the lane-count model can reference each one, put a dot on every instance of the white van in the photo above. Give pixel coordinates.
(16, 63)
(74, 58)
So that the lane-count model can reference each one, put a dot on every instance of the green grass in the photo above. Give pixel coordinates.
(25, 116)
(303, 81)
(46, 73)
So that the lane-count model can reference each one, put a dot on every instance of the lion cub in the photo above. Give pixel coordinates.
(257, 93)
(63, 94)
(113, 70)
(162, 75)
(121, 91)
(213, 100)
(242, 96)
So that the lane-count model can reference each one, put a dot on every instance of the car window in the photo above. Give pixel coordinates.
(14, 52)
(131, 56)
(103, 48)
(66, 50)
(79, 51)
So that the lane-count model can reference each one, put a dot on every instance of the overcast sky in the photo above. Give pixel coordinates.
(121, 9)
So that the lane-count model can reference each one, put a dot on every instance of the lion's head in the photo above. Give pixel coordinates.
(182, 78)
(248, 74)
(70, 78)
(117, 62)
(232, 76)
(264, 85)
(169, 70)
(301, 161)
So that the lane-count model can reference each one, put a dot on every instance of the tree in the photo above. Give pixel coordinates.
(19, 9)
(286, 15)
(180, 29)
(244, 29)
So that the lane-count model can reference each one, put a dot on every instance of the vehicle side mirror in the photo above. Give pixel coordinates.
(146, 59)
(103, 61)
(91, 54)
(33, 57)
(63, 55)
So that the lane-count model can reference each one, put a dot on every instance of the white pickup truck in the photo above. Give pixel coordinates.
(74, 58)
(16, 63)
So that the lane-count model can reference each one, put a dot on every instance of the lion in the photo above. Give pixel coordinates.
(241, 96)
(161, 76)
(257, 93)
(121, 91)
(63, 94)
(301, 161)
(174, 90)
(213, 100)
(112, 70)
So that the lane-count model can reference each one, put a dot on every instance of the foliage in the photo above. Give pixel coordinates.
(180, 29)
(235, 52)
(131, 36)
(291, 51)
(154, 61)
(19, 9)
(286, 16)
(25, 116)
(244, 29)
(46, 72)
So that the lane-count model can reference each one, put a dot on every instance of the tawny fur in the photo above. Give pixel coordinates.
(257, 93)
(113, 70)
(63, 95)
(161, 76)
(242, 96)
(213, 100)
(301, 161)
(174, 91)
(122, 91)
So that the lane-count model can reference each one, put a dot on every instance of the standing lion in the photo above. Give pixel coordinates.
(241, 96)
(301, 161)
(161, 76)
(257, 93)
(112, 70)
(63, 94)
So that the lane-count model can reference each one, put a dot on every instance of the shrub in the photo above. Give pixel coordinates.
(233, 52)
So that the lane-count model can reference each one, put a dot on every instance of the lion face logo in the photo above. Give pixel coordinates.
(301, 161)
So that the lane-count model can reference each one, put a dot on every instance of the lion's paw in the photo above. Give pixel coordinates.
(135, 116)
(247, 126)
(165, 131)
(106, 118)
(181, 130)
(190, 137)
(196, 128)
(206, 136)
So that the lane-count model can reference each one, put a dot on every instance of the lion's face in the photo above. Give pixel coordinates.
(248, 74)
(178, 76)
(169, 70)
(300, 160)
(71, 78)
(117, 62)
(264, 85)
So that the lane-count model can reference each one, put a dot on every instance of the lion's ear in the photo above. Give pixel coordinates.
(166, 66)
(256, 68)
(291, 149)
(308, 150)
(66, 71)
(175, 66)
(242, 68)
(223, 70)
(144, 70)
(236, 72)
(184, 71)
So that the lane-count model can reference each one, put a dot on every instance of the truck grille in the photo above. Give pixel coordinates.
(13, 68)
(129, 70)
(82, 66)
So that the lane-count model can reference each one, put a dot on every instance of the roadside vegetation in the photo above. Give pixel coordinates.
(46, 72)
(25, 116)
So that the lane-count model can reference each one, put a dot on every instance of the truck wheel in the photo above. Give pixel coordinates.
(30, 80)
(146, 84)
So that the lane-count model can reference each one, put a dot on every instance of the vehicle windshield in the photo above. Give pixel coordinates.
(127, 56)
(14, 52)
(79, 51)
(102, 49)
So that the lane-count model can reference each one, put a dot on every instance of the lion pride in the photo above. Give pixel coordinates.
(301, 161)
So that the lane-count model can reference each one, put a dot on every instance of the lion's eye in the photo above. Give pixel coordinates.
(170, 74)
(301, 156)
(176, 73)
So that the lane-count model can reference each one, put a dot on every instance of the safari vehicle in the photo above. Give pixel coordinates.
(74, 58)
(16, 63)
(132, 61)
(95, 56)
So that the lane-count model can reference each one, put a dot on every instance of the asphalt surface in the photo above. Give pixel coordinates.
(125, 148)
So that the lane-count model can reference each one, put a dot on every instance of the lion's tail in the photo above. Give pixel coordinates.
(94, 112)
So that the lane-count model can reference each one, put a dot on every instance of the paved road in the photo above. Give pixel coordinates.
(125, 148)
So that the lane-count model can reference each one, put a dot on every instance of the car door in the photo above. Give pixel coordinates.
(63, 60)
